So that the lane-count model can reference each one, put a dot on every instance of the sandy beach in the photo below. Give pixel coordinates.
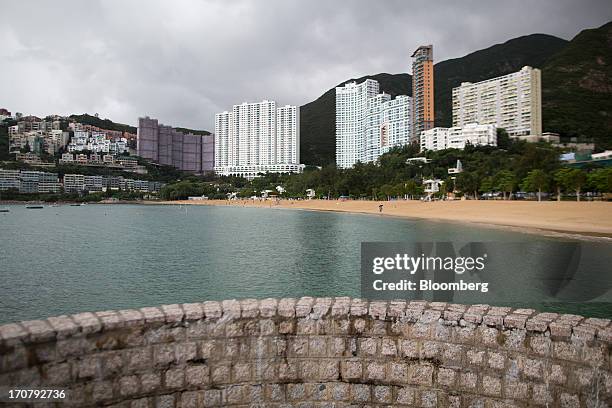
(584, 218)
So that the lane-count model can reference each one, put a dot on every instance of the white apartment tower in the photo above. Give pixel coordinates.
(395, 123)
(369, 123)
(373, 130)
(512, 102)
(287, 134)
(351, 106)
(257, 138)
(222, 136)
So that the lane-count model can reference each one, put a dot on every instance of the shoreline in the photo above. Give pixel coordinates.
(570, 219)
(574, 219)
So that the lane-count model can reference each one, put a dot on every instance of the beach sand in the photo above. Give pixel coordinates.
(584, 218)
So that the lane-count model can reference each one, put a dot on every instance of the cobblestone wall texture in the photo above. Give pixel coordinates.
(314, 352)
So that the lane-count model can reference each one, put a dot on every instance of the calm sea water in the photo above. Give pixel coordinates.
(67, 259)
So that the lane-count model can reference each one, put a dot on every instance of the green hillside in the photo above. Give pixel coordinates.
(501, 59)
(317, 123)
(86, 119)
(110, 125)
(102, 123)
(577, 88)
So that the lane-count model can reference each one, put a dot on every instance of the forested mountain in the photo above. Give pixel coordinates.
(576, 88)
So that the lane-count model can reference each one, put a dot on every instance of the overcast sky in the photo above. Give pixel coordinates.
(184, 60)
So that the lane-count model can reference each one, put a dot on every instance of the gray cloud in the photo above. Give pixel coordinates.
(184, 61)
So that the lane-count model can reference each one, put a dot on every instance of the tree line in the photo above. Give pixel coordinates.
(511, 167)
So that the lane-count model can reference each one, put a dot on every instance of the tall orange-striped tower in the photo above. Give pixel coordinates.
(422, 91)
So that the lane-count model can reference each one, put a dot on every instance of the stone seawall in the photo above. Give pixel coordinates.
(313, 352)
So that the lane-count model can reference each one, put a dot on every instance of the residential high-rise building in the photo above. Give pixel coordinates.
(351, 107)
(287, 134)
(222, 139)
(512, 102)
(256, 138)
(396, 123)
(422, 90)
(387, 125)
(369, 123)
(458, 137)
(165, 145)
(373, 129)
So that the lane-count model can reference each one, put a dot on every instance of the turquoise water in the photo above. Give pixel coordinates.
(66, 259)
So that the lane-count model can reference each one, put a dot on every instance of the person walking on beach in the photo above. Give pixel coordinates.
(380, 208)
